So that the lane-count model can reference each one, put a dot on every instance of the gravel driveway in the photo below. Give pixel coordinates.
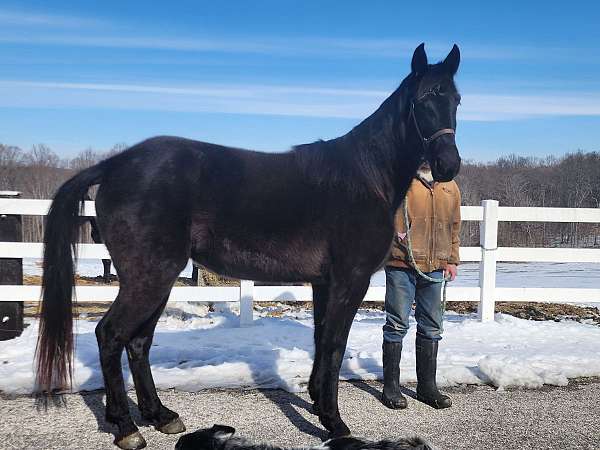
(481, 418)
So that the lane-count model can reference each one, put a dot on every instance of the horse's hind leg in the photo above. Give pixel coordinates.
(151, 408)
(147, 274)
(113, 332)
(130, 323)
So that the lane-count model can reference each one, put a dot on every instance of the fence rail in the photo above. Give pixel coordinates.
(488, 254)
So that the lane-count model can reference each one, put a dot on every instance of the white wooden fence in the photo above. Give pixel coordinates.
(488, 214)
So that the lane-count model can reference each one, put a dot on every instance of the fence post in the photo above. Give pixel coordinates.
(488, 240)
(197, 279)
(246, 303)
(11, 272)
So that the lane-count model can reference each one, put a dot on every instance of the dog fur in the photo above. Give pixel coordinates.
(221, 437)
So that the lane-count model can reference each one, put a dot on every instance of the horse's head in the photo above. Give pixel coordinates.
(432, 113)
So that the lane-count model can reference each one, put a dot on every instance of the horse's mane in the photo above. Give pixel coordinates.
(362, 161)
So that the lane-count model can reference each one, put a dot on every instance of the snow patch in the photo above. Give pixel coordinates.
(193, 351)
(505, 371)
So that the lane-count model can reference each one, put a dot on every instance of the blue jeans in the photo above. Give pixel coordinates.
(403, 287)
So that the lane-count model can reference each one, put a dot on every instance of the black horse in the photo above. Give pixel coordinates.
(321, 213)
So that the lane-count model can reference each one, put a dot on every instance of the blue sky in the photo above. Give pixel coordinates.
(271, 74)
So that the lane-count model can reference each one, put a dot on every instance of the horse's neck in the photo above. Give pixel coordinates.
(383, 139)
(407, 164)
(391, 160)
(375, 156)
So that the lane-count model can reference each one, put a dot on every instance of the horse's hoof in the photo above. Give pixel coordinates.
(133, 441)
(173, 427)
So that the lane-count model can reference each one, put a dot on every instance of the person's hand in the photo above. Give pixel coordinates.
(451, 270)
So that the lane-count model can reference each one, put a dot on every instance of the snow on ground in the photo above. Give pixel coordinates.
(210, 350)
(206, 350)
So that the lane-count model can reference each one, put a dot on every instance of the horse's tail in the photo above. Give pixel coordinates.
(54, 352)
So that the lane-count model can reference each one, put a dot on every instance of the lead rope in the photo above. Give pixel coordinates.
(411, 258)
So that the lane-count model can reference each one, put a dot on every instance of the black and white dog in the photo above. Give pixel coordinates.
(220, 437)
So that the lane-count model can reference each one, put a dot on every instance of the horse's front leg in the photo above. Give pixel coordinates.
(345, 296)
(320, 300)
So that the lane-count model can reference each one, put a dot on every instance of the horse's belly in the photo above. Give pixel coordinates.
(265, 259)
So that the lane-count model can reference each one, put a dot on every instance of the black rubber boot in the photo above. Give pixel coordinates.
(427, 391)
(392, 396)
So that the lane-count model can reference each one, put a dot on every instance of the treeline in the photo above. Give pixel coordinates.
(38, 172)
(571, 181)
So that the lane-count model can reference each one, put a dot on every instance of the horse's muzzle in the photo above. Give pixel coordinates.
(445, 165)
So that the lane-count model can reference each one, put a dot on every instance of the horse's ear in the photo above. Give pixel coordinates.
(452, 61)
(419, 60)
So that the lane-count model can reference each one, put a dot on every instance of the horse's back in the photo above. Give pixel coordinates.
(198, 173)
(244, 213)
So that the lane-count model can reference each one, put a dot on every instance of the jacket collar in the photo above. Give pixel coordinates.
(425, 178)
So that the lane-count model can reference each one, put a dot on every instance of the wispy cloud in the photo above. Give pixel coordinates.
(237, 99)
(271, 46)
(277, 100)
(489, 107)
(277, 46)
(29, 28)
(230, 90)
(28, 19)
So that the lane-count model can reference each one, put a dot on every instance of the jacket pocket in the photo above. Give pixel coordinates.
(419, 238)
(443, 241)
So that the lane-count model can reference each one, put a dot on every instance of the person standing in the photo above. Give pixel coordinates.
(434, 225)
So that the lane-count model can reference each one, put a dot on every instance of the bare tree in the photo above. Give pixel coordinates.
(85, 159)
(11, 158)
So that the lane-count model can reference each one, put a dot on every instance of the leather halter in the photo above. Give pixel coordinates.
(427, 140)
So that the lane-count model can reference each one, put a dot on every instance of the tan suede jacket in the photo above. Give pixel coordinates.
(434, 216)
